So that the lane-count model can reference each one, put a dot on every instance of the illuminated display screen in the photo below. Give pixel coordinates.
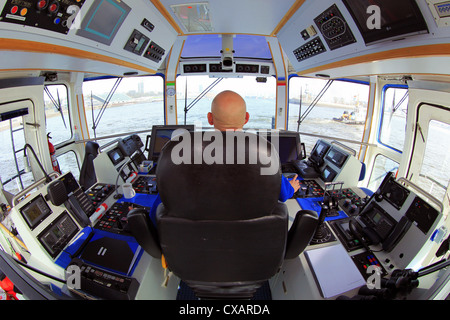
(35, 211)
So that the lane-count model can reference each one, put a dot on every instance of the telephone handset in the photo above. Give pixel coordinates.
(76, 202)
(377, 225)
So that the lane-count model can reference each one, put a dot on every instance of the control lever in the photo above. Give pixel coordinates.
(321, 231)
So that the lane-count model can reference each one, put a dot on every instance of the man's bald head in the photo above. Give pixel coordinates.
(228, 111)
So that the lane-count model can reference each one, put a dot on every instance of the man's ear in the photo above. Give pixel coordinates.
(247, 116)
(210, 118)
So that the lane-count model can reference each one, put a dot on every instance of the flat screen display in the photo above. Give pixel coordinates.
(397, 18)
(288, 147)
(35, 211)
(160, 136)
(103, 20)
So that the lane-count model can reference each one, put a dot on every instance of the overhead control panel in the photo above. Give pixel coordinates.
(103, 20)
(309, 49)
(334, 28)
(116, 37)
(324, 38)
(54, 15)
(239, 67)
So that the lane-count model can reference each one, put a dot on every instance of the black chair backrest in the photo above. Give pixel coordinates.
(236, 186)
(220, 221)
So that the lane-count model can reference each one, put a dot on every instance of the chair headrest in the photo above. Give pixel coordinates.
(214, 175)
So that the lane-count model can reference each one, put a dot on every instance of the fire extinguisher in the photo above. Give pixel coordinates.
(51, 147)
(7, 289)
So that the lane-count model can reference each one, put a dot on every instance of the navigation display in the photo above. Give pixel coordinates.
(35, 211)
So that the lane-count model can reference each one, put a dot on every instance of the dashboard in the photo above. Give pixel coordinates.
(67, 227)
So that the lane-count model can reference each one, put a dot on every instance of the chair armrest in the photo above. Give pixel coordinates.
(301, 233)
(144, 231)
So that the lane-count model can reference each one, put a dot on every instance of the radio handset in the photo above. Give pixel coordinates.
(397, 234)
(363, 233)
(77, 211)
(57, 194)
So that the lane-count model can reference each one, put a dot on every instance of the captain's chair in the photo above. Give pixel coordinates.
(221, 227)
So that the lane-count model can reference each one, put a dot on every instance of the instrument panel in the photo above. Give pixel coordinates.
(53, 15)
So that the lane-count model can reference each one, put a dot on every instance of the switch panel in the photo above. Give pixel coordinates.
(137, 43)
(154, 52)
(50, 15)
(334, 28)
(309, 49)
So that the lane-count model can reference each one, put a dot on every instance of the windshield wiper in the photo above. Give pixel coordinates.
(198, 98)
(57, 104)
(105, 104)
(302, 117)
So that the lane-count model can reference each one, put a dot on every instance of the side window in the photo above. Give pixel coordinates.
(13, 175)
(57, 113)
(382, 165)
(340, 109)
(123, 105)
(393, 117)
(68, 162)
(434, 175)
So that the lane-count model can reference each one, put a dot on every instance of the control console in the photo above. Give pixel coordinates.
(396, 219)
(52, 15)
(115, 219)
(331, 162)
(145, 184)
(105, 284)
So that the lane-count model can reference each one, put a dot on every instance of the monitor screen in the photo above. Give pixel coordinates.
(70, 183)
(397, 18)
(288, 146)
(103, 20)
(320, 149)
(35, 211)
(160, 136)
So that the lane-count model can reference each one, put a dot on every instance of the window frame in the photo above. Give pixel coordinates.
(69, 113)
(99, 138)
(380, 121)
(205, 124)
(373, 169)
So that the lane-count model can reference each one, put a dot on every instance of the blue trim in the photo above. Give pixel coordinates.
(380, 120)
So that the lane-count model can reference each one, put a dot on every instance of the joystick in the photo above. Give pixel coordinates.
(323, 233)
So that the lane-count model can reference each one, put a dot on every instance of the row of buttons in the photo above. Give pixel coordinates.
(309, 49)
(100, 274)
(23, 11)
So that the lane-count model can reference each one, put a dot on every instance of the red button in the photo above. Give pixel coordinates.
(53, 7)
(14, 9)
(42, 4)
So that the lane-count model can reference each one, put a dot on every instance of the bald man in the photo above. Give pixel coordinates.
(229, 112)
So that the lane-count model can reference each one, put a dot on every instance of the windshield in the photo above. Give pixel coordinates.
(259, 96)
